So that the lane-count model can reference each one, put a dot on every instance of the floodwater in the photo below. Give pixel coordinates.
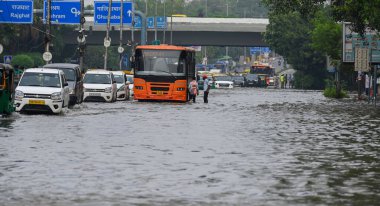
(247, 146)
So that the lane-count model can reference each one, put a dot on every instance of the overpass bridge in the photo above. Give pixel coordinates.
(186, 31)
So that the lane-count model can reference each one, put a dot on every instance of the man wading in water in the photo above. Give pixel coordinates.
(206, 89)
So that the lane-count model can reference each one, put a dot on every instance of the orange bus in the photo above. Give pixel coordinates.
(163, 72)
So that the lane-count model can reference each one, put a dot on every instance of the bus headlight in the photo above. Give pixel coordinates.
(180, 89)
(139, 87)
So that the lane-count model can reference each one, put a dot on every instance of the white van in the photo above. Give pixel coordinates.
(44, 90)
(99, 85)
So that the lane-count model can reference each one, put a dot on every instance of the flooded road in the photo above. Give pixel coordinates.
(246, 147)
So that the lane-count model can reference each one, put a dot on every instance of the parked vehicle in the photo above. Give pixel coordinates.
(200, 84)
(42, 90)
(223, 82)
(252, 80)
(73, 76)
(99, 85)
(238, 81)
(122, 85)
(6, 89)
(131, 83)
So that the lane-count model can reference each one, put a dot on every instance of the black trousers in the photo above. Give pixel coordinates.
(193, 97)
(205, 97)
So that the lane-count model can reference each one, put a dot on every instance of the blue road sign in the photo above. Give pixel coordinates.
(16, 12)
(7, 59)
(138, 23)
(63, 11)
(161, 22)
(150, 22)
(254, 50)
(101, 12)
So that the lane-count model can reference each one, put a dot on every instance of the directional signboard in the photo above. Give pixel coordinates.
(138, 23)
(150, 22)
(101, 12)
(254, 50)
(352, 41)
(161, 22)
(16, 12)
(63, 11)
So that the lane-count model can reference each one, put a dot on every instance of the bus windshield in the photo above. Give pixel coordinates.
(161, 62)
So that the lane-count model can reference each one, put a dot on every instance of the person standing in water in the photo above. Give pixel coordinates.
(193, 89)
(206, 89)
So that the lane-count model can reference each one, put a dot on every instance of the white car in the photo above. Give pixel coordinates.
(224, 82)
(99, 85)
(43, 90)
(123, 92)
(130, 81)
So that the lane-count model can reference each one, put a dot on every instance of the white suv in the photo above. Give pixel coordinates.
(99, 85)
(42, 90)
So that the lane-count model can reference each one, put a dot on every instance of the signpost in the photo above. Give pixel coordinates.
(150, 22)
(101, 12)
(161, 22)
(47, 56)
(63, 11)
(254, 50)
(362, 59)
(16, 12)
(7, 59)
(138, 22)
(352, 40)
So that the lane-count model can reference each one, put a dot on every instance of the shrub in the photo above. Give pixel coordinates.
(330, 92)
(23, 60)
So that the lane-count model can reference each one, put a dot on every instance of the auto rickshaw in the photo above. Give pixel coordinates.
(6, 89)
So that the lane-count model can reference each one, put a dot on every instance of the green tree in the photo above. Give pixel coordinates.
(306, 8)
(327, 35)
(23, 60)
(362, 14)
(289, 34)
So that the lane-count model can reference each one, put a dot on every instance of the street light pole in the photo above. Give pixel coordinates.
(227, 16)
(206, 9)
(164, 37)
(155, 23)
(171, 25)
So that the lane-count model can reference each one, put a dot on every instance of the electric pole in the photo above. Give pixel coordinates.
(81, 37)
(107, 40)
(47, 56)
(121, 49)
